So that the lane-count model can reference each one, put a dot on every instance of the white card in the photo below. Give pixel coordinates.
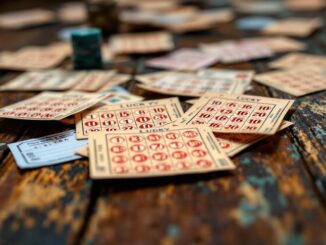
(47, 150)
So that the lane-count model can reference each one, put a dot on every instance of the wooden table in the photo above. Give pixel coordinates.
(277, 194)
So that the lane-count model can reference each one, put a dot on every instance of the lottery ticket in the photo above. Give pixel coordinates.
(43, 80)
(141, 43)
(296, 81)
(183, 59)
(232, 144)
(34, 58)
(94, 80)
(241, 78)
(151, 77)
(155, 152)
(298, 27)
(299, 59)
(281, 44)
(25, 18)
(231, 113)
(51, 105)
(128, 116)
(194, 86)
(117, 79)
(47, 150)
(118, 98)
(238, 51)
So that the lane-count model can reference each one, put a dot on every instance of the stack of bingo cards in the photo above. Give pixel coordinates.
(87, 48)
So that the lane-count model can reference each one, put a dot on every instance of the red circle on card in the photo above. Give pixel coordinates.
(119, 159)
(117, 139)
(143, 119)
(91, 124)
(154, 137)
(224, 145)
(156, 146)
(136, 138)
(159, 156)
(194, 143)
(140, 158)
(176, 145)
(137, 148)
(107, 115)
(163, 167)
(110, 129)
(190, 134)
(204, 163)
(144, 126)
(172, 136)
(160, 117)
(142, 168)
(179, 154)
(199, 153)
(117, 149)
(109, 123)
(121, 170)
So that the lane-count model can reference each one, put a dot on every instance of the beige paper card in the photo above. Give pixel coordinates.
(128, 116)
(84, 152)
(231, 113)
(155, 152)
(304, 5)
(118, 98)
(194, 86)
(241, 78)
(242, 50)
(73, 12)
(43, 80)
(232, 144)
(94, 80)
(298, 27)
(51, 106)
(116, 80)
(298, 59)
(151, 77)
(25, 18)
(33, 58)
(297, 82)
(141, 43)
(281, 44)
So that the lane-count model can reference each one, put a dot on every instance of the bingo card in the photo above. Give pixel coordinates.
(298, 59)
(155, 152)
(297, 82)
(193, 85)
(141, 43)
(51, 105)
(231, 113)
(128, 116)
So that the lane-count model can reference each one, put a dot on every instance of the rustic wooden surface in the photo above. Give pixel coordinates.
(277, 194)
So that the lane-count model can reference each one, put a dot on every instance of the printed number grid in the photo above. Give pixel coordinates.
(300, 82)
(43, 108)
(232, 116)
(173, 151)
(189, 86)
(127, 119)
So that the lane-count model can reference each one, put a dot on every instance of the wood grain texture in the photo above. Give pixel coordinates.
(277, 194)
